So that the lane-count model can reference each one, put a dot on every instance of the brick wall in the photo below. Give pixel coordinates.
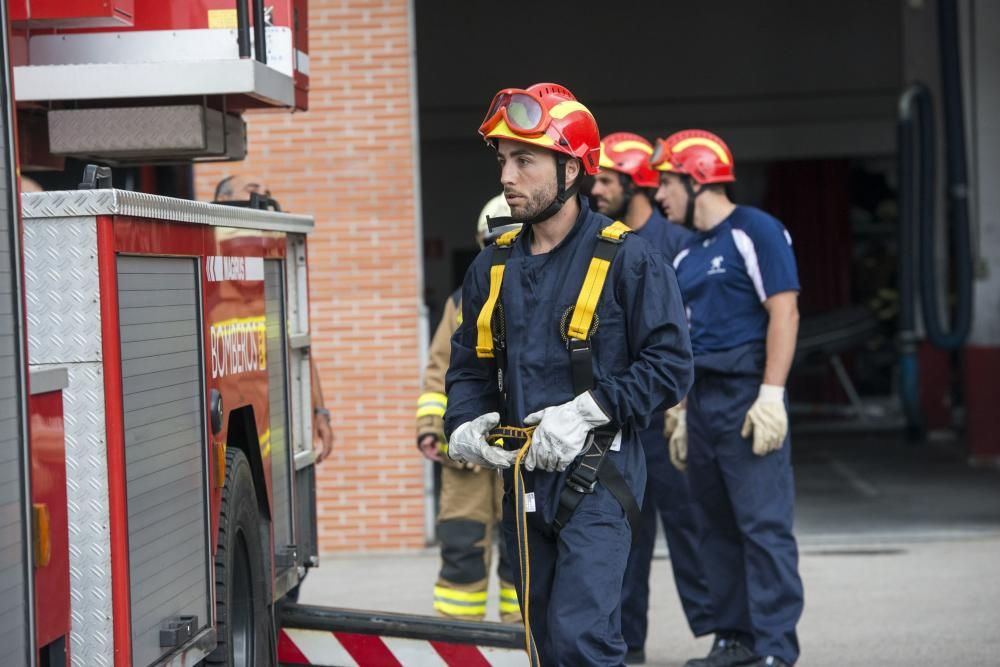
(349, 162)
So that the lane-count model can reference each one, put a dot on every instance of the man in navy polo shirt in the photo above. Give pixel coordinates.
(740, 288)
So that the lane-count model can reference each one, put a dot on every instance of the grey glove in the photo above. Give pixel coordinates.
(468, 444)
(562, 432)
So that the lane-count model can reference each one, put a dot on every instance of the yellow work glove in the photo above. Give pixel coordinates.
(767, 420)
(678, 438)
(670, 419)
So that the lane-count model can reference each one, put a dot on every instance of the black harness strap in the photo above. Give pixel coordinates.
(592, 467)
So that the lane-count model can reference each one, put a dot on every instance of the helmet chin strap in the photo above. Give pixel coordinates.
(692, 195)
(563, 194)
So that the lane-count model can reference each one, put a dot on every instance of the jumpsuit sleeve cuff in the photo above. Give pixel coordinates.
(602, 404)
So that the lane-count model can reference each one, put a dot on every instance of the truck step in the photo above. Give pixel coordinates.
(336, 637)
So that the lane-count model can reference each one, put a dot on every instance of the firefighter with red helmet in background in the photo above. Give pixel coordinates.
(624, 190)
(574, 329)
(624, 187)
(740, 287)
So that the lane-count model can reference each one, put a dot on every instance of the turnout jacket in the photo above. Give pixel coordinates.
(641, 351)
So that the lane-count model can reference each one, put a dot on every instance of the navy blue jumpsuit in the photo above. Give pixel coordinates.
(744, 502)
(667, 493)
(641, 361)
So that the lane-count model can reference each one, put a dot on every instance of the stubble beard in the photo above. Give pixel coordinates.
(615, 209)
(537, 201)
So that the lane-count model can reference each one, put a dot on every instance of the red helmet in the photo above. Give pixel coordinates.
(546, 115)
(629, 154)
(701, 155)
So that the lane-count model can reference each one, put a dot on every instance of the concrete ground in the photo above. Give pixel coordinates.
(900, 558)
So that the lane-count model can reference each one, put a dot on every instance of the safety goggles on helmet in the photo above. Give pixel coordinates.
(660, 159)
(523, 112)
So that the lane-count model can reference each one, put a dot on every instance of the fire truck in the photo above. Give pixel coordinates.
(157, 493)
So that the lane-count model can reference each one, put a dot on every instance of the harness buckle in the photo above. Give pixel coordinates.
(580, 485)
(583, 479)
(614, 233)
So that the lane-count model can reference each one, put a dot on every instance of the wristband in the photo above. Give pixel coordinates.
(321, 412)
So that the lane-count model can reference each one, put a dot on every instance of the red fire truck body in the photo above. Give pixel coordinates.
(174, 322)
(157, 478)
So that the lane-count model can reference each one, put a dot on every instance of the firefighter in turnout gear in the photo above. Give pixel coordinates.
(740, 287)
(572, 337)
(469, 508)
(624, 189)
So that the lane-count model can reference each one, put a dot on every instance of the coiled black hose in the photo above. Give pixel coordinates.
(957, 191)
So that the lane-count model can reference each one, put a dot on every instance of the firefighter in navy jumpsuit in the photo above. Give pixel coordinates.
(740, 288)
(624, 190)
(640, 362)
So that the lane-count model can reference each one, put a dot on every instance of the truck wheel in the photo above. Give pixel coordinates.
(243, 622)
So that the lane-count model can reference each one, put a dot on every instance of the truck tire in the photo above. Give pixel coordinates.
(242, 593)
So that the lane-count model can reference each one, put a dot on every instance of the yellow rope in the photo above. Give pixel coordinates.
(522, 549)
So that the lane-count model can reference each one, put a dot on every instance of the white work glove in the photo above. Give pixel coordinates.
(468, 444)
(671, 418)
(767, 420)
(562, 432)
(679, 439)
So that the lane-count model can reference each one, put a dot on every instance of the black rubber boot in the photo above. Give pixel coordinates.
(726, 652)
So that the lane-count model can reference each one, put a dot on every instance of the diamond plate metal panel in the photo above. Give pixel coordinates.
(84, 203)
(61, 284)
(87, 495)
(64, 330)
(136, 129)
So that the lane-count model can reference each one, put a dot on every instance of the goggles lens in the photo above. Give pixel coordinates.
(523, 113)
(660, 153)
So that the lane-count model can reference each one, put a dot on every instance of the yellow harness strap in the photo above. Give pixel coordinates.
(593, 284)
(484, 336)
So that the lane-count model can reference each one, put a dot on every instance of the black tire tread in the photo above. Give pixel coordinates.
(235, 462)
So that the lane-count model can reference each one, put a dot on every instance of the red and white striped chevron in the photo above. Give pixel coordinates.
(345, 649)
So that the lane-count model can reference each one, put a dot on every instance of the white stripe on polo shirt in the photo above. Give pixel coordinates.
(749, 253)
